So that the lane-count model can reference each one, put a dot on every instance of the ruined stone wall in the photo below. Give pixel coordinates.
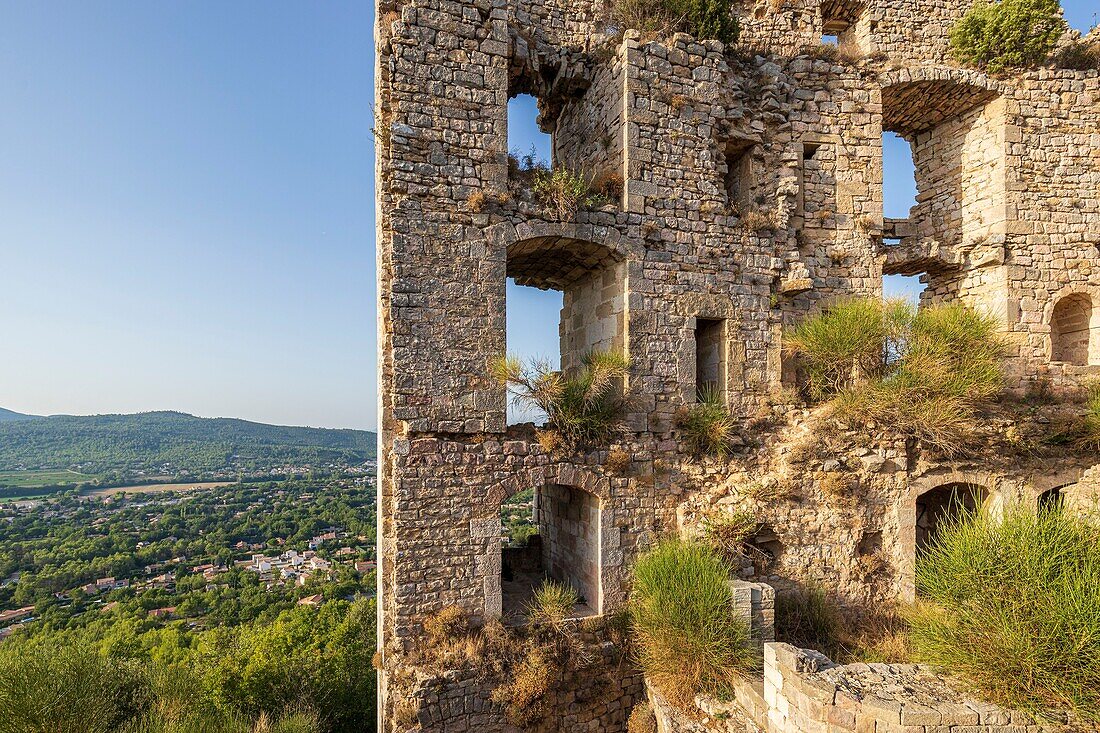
(804, 691)
(1055, 176)
(588, 134)
(1009, 219)
(593, 315)
(598, 700)
(911, 31)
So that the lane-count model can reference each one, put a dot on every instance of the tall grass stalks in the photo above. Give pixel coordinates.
(681, 609)
(1013, 607)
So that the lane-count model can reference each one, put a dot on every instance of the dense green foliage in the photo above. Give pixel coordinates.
(1005, 34)
(9, 416)
(171, 442)
(236, 652)
(70, 541)
(682, 613)
(923, 372)
(307, 670)
(1012, 605)
(704, 19)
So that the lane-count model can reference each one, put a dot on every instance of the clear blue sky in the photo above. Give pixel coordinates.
(186, 209)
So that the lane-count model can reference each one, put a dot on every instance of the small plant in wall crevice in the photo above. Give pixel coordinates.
(707, 426)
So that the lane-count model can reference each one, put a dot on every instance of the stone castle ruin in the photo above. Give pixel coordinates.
(751, 196)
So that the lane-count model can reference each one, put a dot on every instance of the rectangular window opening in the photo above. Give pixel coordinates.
(710, 359)
(740, 178)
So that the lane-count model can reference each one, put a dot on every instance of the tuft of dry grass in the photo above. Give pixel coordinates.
(642, 719)
(553, 604)
(728, 532)
(618, 461)
(609, 185)
(549, 440)
(1079, 56)
(756, 221)
(839, 484)
(477, 202)
(446, 624)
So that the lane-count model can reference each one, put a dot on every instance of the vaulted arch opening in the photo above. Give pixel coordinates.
(1071, 330)
(561, 541)
(942, 505)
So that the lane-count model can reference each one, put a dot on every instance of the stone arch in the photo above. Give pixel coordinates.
(945, 502)
(915, 100)
(913, 518)
(576, 541)
(1072, 325)
(588, 264)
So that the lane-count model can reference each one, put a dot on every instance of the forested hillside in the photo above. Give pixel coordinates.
(180, 442)
(10, 416)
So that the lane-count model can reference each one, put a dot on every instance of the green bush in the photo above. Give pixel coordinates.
(66, 689)
(584, 408)
(1005, 34)
(703, 19)
(1013, 607)
(563, 192)
(681, 611)
(922, 372)
(707, 426)
(553, 603)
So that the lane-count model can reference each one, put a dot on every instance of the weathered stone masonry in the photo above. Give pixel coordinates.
(752, 196)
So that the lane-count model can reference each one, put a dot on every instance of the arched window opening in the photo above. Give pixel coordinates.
(942, 505)
(764, 550)
(551, 532)
(1052, 499)
(1071, 330)
(581, 306)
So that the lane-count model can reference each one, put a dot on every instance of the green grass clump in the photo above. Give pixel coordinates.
(1012, 606)
(703, 19)
(583, 408)
(564, 192)
(681, 611)
(707, 426)
(553, 603)
(924, 373)
(849, 341)
(1007, 34)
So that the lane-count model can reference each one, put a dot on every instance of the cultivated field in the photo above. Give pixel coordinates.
(157, 488)
(34, 479)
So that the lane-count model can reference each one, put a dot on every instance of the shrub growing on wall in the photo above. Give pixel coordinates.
(583, 408)
(924, 373)
(681, 609)
(1012, 606)
(1006, 34)
(703, 19)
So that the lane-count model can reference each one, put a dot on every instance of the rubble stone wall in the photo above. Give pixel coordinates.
(803, 692)
(1010, 220)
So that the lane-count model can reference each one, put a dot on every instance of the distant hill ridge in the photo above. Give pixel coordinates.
(10, 416)
(149, 440)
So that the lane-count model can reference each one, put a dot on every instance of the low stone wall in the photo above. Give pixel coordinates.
(804, 692)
